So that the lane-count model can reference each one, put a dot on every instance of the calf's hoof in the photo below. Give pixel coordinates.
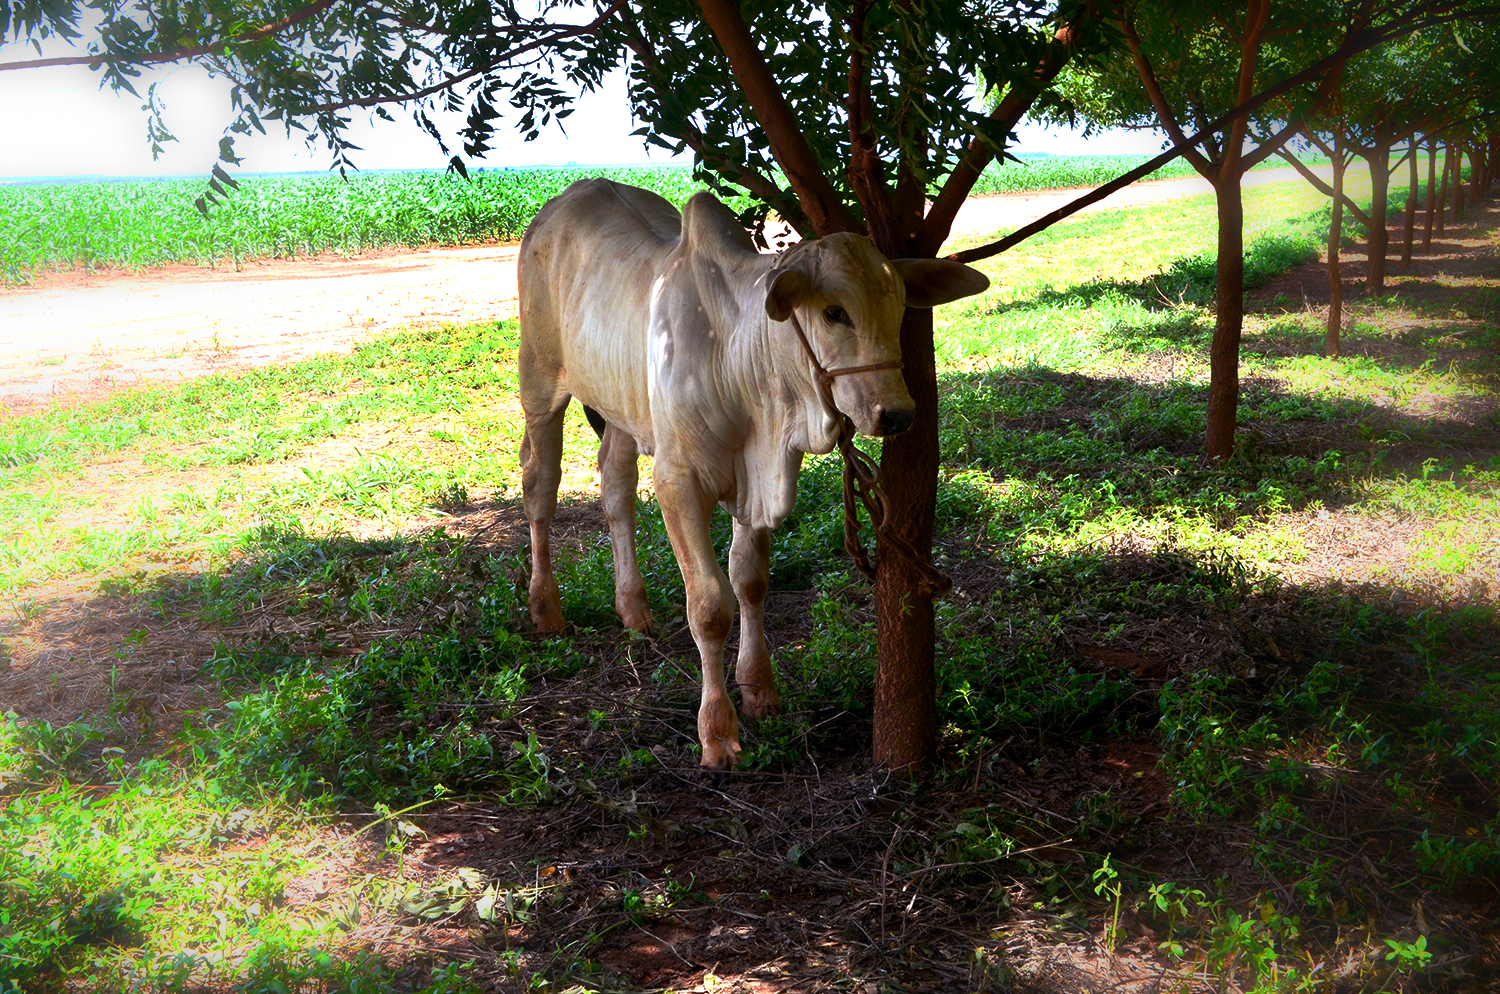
(546, 618)
(720, 755)
(759, 701)
(545, 602)
(717, 779)
(637, 619)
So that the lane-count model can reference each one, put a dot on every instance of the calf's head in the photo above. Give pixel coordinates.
(849, 300)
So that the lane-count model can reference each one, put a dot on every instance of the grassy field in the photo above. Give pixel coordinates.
(135, 225)
(278, 723)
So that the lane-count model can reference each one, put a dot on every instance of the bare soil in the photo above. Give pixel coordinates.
(78, 335)
(794, 886)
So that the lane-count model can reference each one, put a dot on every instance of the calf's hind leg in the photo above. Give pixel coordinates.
(618, 475)
(541, 472)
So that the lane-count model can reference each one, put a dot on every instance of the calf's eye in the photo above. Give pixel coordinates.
(837, 315)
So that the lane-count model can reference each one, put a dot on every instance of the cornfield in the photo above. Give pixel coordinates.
(137, 225)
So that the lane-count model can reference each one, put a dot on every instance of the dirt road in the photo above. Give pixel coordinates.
(72, 337)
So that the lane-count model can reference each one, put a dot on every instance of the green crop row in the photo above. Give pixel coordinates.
(150, 223)
(137, 225)
(1055, 172)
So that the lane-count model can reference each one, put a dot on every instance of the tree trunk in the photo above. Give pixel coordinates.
(905, 679)
(1458, 182)
(1442, 203)
(1224, 354)
(1380, 181)
(1335, 237)
(1411, 204)
(1431, 192)
(1476, 172)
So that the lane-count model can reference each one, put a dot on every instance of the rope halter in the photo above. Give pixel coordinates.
(862, 478)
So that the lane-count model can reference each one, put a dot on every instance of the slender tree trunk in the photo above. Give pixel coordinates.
(1380, 180)
(1458, 182)
(1476, 172)
(1431, 192)
(1335, 239)
(1442, 204)
(1224, 354)
(1411, 205)
(905, 735)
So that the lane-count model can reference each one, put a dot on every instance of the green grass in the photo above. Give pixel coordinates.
(1325, 751)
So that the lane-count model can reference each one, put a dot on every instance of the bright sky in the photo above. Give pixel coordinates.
(57, 122)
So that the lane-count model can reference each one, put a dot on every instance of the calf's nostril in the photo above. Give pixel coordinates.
(894, 422)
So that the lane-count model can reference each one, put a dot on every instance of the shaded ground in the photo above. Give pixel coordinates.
(1454, 271)
(799, 877)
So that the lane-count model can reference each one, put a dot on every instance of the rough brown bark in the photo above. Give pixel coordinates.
(1458, 182)
(1411, 205)
(905, 736)
(1335, 238)
(1440, 218)
(1224, 354)
(866, 170)
(1431, 193)
(1380, 181)
(820, 202)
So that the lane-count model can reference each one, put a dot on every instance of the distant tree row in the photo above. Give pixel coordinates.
(1181, 65)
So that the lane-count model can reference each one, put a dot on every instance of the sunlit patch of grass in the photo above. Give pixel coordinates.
(1111, 587)
(172, 882)
(269, 418)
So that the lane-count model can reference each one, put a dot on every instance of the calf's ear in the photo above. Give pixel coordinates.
(930, 282)
(784, 288)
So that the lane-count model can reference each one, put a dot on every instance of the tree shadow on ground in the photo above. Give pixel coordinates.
(1459, 268)
(1128, 432)
(1307, 767)
(1079, 693)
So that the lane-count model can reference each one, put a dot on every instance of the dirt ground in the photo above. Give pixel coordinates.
(76, 335)
(788, 923)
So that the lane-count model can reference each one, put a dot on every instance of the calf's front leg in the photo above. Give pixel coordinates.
(686, 509)
(750, 571)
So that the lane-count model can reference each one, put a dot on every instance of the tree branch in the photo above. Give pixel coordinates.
(977, 157)
(757, 184)
(1353, 45)
(1270, 146)
(820, 201)
(484, 67)
(158, 58)
(1428, 15)
(866, 171)
(1256, 14)
(1322, 187)
(1158, 98)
